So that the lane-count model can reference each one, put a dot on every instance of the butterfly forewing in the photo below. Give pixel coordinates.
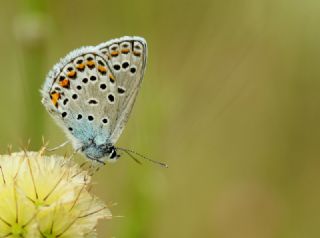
(127, 59)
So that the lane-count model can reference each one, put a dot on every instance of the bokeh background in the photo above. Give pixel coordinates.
(230, 101)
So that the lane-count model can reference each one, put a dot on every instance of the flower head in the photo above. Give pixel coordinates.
(46, 196)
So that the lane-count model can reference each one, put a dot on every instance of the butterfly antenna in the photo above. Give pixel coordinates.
(132, 157)
(130, 152)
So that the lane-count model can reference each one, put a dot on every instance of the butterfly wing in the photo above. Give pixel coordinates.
(79, 94)
(127, 59)
(91, 92)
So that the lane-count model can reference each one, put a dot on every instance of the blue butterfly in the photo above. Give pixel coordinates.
(90, 94)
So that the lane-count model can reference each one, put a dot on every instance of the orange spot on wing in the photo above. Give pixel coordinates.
(65, 83)
(71, 74)
(102, 69)
(80, 66)
(135, 53)
(111, 78)
(54, 98)
(114, 53)
(125, 51)
(91, 64)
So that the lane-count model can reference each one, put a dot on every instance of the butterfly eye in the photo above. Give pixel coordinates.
(113, 154)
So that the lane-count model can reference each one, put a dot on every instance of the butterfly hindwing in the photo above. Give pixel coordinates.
(79, 94)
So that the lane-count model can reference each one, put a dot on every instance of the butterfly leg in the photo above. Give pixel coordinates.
(95, 166)
(74, 152)
(58, 147)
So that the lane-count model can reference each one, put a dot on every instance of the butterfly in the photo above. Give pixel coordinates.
(91, 91)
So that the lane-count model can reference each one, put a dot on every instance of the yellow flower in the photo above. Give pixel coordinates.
(46, 196)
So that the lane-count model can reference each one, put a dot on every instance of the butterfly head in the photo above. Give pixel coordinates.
(101, 152)
(112, 154)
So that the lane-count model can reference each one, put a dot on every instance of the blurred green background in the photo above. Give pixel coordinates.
(230, 100)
